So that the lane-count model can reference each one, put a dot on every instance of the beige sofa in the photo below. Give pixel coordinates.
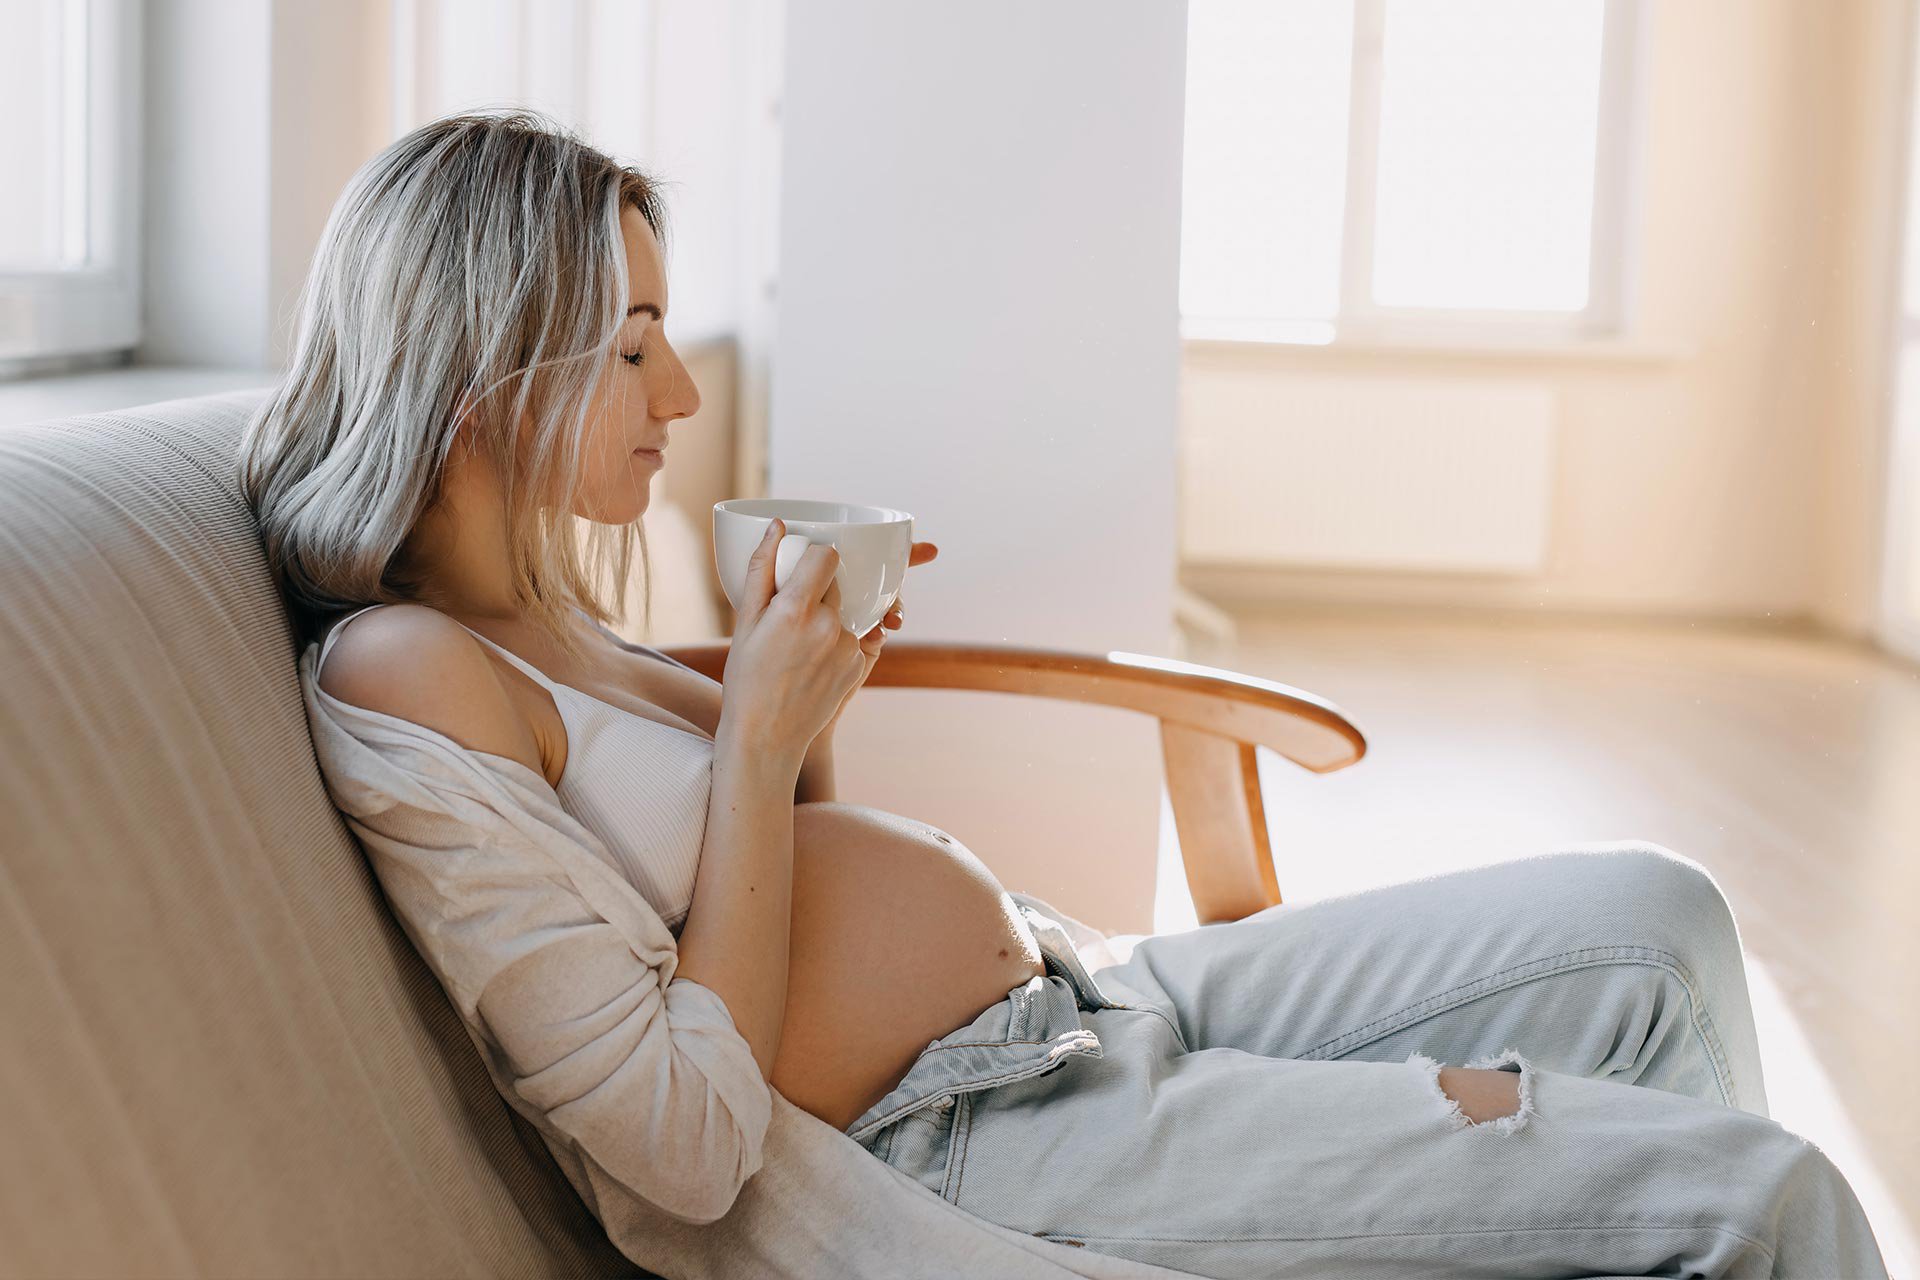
(222, 1054)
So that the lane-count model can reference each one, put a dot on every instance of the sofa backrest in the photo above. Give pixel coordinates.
(221, 1054)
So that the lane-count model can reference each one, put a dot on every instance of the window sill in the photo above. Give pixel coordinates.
(38, 399)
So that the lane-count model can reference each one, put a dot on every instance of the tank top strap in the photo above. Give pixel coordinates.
(632, 646)
(538, 675)
(333, 628)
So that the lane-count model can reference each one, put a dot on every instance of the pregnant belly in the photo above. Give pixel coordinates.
(900, 936)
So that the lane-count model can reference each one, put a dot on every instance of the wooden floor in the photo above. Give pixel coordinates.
(1785, 762)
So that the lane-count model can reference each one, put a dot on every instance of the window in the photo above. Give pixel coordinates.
(587, 63)
(1405, 170)
(69, 270)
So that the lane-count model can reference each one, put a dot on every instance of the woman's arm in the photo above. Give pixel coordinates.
(736, 935)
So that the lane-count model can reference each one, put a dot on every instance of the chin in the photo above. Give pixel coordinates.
(625, 513)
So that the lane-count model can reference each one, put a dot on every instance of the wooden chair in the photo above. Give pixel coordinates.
(1211, 720)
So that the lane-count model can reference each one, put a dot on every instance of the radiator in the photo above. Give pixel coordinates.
(1311, 470)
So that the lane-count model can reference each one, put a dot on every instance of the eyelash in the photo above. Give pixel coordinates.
(633, 359)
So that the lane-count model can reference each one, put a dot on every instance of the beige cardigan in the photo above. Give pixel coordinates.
(639, 1082)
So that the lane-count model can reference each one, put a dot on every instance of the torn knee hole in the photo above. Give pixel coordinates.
(1480, 1095)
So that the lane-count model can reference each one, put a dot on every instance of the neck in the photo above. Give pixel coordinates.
(459, 549)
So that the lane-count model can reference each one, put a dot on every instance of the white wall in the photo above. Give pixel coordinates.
(978, 322)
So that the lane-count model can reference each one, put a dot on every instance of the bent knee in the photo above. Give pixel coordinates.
(1661, 898)
(1671, 879)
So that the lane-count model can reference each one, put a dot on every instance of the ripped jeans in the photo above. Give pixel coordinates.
(1260, 1097)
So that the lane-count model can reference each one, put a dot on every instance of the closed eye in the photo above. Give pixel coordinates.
(633, 358)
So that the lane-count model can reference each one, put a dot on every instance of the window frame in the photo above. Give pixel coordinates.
(1612, 249)
(47, 316)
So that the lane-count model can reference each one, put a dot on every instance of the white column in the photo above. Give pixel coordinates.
(978, 322)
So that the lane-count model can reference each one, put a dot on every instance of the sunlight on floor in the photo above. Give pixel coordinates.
(1801, 1097)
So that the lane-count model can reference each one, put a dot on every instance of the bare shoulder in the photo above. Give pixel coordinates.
(413, 662)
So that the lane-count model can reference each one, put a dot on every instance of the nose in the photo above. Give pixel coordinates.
(680, 398)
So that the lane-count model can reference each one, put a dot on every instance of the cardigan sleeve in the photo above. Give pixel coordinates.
(561, 971)
(651, 1081)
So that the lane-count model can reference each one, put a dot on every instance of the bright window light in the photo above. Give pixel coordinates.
(1407, 169)
(1489, 113)
(34, 150)
(70, 202)
(1266, 158)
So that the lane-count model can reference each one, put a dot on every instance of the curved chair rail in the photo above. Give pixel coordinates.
(1211, 722)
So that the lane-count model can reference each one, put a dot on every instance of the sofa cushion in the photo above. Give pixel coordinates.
(223, 1056)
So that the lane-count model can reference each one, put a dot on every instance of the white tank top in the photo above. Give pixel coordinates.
(639, 784)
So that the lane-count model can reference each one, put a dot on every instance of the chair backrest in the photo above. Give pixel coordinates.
(221, 1054)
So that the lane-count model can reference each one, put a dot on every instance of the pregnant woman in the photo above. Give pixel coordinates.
(461, 450)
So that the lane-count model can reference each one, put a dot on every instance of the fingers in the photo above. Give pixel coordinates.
(814, 574)
(769, 543)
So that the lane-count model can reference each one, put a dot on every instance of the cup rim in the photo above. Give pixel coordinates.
(745, 507)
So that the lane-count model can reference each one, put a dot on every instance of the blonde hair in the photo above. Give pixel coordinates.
(472, 276)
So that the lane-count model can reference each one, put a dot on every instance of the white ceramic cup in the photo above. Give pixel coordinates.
(874, 543)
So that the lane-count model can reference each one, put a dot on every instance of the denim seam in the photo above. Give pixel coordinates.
(1178, 1037)
(1545, 967)
(957, 1147)
(1024, 1070)
(1377, 1235)
(1008, 1044)
(1099, 999)
(986, 1044)
(1080, 977)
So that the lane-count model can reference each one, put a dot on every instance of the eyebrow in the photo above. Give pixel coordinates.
(648, 307)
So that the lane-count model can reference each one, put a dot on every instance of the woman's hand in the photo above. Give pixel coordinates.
(791, 663)
(875, 640)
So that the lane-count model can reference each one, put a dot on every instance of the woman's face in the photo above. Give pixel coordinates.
(645, 388)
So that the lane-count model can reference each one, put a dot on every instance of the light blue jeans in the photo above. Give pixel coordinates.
(1260, 1097)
